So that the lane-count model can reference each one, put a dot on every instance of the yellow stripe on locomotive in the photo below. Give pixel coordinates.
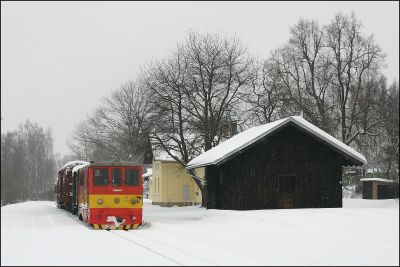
(116, 201)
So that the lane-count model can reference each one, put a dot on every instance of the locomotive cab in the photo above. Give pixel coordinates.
(110, 195)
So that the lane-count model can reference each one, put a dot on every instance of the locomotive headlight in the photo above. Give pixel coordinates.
(134, 201)
(100, 201)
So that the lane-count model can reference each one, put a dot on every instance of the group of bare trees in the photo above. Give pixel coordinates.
(28, 167)
(210, 87)
(116, 129)
(332, 74)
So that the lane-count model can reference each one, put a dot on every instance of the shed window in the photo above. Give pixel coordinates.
(100, 177)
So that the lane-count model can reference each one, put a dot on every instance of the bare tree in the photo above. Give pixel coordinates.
(219, 70)
(11, 173)
(27, 164)
(195, 94)
(355, 59)
(265, 101)
(167, 80)
(118, 129)
(172, 129)
(302, 69)
(389, 114)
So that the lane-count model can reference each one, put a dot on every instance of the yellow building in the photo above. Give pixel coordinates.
(171, 184)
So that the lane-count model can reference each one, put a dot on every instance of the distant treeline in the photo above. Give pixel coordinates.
(28, 166)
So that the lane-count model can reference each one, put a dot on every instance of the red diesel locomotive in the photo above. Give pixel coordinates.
(108, 194)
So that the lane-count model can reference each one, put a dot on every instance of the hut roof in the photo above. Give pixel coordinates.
(240, 141)
(377, 179)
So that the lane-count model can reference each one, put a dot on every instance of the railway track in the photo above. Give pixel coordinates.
(168, 246)
(146, 248)
(179, 253)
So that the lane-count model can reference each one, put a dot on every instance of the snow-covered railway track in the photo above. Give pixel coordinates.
(146, 247)
(175, 250)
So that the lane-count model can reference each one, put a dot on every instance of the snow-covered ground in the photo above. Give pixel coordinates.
(364, 232)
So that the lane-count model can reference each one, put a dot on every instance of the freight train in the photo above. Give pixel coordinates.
(106, 194)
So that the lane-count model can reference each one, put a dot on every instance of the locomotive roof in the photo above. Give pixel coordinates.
(113, 163)
(230, 147)
(72, 164)
(77, 167)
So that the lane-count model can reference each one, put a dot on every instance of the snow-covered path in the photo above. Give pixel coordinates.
(364, 232)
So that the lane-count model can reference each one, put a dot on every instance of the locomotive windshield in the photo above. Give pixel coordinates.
(132, 177)
(116, 177)
(100, 177)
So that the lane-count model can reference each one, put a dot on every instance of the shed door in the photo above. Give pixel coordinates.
(367, 190)
(287, 188)
(383, 192)
(185, 193)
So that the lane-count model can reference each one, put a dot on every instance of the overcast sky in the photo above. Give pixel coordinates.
(58, 59)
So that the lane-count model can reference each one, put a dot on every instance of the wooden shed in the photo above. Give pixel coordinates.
(379, 188)
(288, 163)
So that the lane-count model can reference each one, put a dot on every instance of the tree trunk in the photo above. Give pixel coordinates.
(202, 187)
(344, 124)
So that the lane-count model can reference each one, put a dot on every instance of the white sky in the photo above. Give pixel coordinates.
(58, 59)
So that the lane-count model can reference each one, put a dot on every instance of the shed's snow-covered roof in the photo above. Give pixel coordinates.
(377, 179)
(73, 164)
(248, 137)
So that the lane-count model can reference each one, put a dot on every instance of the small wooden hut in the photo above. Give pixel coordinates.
(379, 188)
(288, 163)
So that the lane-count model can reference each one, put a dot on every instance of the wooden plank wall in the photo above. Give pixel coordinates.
(367, 190)
(250, 180)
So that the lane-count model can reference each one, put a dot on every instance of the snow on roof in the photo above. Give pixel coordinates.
(159, 152)
(162, 155)
(77, 167)
(73, 164)
(249, 136)
(148, 173)
(377, 179)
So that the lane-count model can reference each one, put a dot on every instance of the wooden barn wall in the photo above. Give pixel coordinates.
(250, 180)
(394, 190)
(367, 190)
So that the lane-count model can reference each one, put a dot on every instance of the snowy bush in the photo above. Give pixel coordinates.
(351, 192)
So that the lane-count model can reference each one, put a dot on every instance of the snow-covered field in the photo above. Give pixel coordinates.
(364, 232)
